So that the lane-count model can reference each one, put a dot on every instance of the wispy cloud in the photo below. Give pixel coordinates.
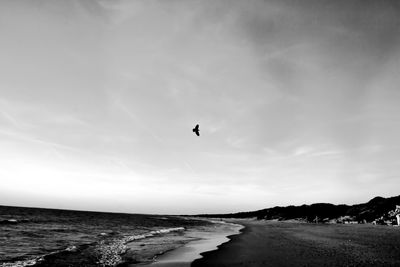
(291, 100)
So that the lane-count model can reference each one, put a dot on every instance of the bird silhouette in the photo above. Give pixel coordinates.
(196, 130)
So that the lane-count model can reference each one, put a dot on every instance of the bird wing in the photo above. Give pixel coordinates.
(197, 127)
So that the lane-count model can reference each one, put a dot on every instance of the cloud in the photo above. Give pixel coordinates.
(290, 97)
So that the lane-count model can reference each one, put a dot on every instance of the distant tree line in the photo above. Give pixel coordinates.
(377, 207)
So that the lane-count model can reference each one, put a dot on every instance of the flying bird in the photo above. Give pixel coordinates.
(196, 130)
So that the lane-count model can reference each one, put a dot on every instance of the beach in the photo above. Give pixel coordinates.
(207, 239)
(76, 238)
(266, 243)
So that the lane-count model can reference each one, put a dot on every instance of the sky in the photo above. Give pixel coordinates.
(297, 102)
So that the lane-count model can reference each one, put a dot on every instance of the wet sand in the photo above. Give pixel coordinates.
(202, 241)
(299, 244)
(184, 255)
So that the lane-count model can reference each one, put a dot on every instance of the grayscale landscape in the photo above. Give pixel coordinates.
(199, 133)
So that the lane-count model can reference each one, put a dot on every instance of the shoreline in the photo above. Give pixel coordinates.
(266, 243)
(203, 242)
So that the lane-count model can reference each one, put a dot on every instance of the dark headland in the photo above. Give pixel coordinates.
(313, 235)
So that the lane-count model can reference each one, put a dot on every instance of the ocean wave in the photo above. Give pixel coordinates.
(108, 251)
(13, 221)
(33, 261)
(227, 223)
(20, 263)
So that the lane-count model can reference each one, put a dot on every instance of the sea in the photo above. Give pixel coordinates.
(50, 237)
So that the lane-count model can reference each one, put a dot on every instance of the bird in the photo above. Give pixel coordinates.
(196, 130)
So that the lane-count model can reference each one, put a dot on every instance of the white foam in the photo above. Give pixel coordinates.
(203, 241)
(20, 263)
(152, 233)
(118, 247)
(71, 248)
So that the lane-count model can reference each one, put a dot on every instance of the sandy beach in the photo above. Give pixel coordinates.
(299, 244)
(205, 239)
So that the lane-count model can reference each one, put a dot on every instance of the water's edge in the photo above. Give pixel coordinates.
(193, 250)
(241, 231)
(47, 238)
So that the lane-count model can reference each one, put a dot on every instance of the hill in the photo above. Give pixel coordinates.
(376, 210)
